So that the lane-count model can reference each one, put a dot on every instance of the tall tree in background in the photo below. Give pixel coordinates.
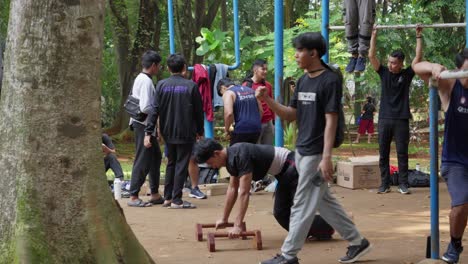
(147, 36)
(55, 206)
(190, 18)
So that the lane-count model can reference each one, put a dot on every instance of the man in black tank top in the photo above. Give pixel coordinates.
(453, 95)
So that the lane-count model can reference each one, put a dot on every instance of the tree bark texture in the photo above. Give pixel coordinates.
(55, 206)
(128, 52)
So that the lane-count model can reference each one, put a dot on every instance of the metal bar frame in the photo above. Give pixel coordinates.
(407, 26)
(209, 128)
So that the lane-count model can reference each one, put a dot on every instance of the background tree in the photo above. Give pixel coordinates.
(130, 46)
(55, 206)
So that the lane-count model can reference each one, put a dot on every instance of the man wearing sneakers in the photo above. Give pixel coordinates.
(453, 95)
(178, 106)
(359, 18)
(246, 162)
(315, 105)
(394, 113)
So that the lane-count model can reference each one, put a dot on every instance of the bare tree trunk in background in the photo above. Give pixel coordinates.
(128, 57)
(384, 8)
(189, 26)
(288, 13)
(55, 205)
(224, 26)
(301, 7)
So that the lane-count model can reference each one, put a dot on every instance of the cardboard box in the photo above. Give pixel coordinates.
(361, 173)
(214, 189)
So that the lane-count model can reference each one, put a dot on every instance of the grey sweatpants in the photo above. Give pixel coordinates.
(359, 20)
(313, 194)
(267, 135)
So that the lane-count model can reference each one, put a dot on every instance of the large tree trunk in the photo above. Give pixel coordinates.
(55, 206)
(128, 57)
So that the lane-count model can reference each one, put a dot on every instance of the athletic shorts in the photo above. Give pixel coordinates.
(366, 125)
(456, 177)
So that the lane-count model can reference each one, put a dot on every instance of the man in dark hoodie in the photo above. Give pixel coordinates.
(178, 106)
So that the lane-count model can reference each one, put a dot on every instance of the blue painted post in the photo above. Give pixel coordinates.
(279, 27)
(325, 23)
(170, 16)
(235, 7)
(434, 149)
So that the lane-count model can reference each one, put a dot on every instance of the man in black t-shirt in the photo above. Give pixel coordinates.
(394, 111)
(246, 162)
(315, 105)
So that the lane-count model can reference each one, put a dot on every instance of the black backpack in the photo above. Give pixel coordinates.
(418, 179)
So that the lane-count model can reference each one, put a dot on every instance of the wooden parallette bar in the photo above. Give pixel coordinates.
(257, 241)
(199, 229)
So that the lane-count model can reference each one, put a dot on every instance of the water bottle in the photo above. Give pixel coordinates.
(117, 188)
(418, 167)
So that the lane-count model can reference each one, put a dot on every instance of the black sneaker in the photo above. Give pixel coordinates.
(355, 252)
(360, 64)
(196, 193)
(280, 259)
(352, 63)
(452, 255)
(403, 189)
(384, 189)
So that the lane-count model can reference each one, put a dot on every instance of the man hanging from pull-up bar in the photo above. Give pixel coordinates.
(453, 95)
(394, 113)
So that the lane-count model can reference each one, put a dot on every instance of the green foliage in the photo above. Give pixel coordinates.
(110, 85)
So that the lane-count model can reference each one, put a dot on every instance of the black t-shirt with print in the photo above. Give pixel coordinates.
(369, 110)
(313, 97)
(394, 101)
(243, 158)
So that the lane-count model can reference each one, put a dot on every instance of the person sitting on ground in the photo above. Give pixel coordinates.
(246, 162)
(110, 160)
(241, 108)
(366, 124)
(359, 19)
(453, 95)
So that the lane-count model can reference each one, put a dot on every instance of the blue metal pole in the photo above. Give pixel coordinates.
(466, 27)
(325, 23)
(170, 16)
(235, 6)
(434, 149)
(279, 140)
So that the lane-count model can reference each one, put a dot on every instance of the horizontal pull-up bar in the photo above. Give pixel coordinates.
(447, 25)
(455, 74)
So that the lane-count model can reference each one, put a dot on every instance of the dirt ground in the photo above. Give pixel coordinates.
(397, 226)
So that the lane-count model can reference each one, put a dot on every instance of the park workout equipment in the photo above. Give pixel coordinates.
(433, 117)
(408, 26)
(199, 229)
(209, 130)
(256, 242)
